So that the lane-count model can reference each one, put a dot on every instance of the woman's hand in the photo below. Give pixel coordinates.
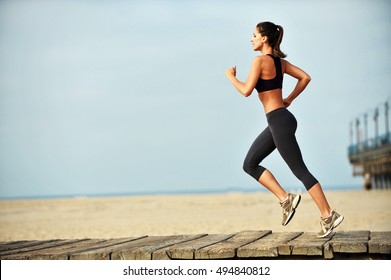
(286, 102)
(247, 87)
(231, 72)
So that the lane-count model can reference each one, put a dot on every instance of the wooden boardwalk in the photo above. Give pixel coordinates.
(263, 244)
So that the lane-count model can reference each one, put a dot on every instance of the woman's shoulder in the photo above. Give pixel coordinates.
(261, 58)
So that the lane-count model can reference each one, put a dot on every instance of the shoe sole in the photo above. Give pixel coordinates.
(336, 223)
(295, 203)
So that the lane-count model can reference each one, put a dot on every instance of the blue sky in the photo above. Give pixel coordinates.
(112, 97)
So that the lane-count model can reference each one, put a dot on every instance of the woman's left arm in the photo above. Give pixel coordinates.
(247, 87)
(303, 79)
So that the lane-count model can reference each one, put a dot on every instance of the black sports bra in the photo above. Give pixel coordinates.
(276, 82)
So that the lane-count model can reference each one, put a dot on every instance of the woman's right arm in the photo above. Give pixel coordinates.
(303, 80)
(247, 87)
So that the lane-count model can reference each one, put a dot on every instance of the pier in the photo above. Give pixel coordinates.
(371, 156)
(262, 244)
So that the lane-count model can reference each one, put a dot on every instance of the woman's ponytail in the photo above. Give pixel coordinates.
(276, 49)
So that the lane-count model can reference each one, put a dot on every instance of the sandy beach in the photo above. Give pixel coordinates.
(114, 217)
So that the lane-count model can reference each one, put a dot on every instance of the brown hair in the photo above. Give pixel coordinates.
(274, 34)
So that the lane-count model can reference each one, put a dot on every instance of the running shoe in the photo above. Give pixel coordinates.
(288, 207)
(327, 225)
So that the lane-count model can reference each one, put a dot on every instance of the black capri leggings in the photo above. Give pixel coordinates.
(279, 134)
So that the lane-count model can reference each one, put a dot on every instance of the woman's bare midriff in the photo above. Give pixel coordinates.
(271, 100)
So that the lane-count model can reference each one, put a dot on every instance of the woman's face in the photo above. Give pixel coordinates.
(257, 40)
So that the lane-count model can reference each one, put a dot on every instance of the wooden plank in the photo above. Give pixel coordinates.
(63, 252)
(350, 242)
(24, 252)
(186, 250)
(144, 250)
(6, 247)
(179, 241)
(104, 249)
(285, 248)
(162, 254)
(307, 244)
(328, 252)
(60, 252)
(228, 248)
(266, 246)
(380, 243)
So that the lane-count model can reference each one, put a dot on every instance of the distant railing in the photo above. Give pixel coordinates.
(360, 141)
(370, 144)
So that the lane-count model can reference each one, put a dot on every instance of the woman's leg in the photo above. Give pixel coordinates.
(318, 196)
(283, 127)
(262, 147)
(315, 191)
(259, 150)
(268, 181)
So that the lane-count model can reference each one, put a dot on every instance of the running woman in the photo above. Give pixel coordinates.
(266, 76)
